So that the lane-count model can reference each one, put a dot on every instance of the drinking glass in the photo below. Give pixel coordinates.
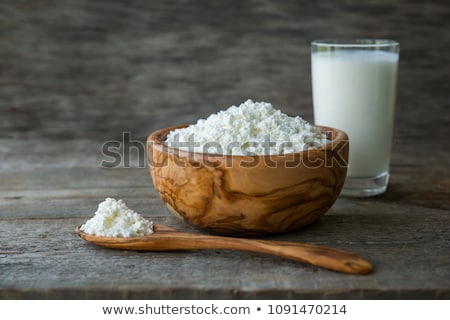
(354, 89)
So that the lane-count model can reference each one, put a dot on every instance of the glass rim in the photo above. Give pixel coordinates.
(355, 43)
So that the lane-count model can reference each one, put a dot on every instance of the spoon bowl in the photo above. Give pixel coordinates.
(168, 239)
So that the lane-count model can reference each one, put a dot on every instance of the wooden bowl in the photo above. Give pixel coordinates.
(248, 195)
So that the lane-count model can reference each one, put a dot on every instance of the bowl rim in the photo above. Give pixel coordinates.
(155, 141)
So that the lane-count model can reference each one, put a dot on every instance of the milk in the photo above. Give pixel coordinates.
(354, 90)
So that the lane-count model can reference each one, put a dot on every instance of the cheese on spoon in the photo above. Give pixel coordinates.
(114, 219)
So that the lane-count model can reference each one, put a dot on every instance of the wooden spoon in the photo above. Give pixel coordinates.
(168, 239)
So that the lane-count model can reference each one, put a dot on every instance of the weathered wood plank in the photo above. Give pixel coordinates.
(83, 203)
(58, 180)
(50, 248)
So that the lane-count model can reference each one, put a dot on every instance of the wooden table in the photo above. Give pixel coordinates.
(75, 75)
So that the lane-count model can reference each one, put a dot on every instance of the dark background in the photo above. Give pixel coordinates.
(93, 69)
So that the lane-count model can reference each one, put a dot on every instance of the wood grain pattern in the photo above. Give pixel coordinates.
(169, 239)
(48, 260)
(75, 74)
(249, 196)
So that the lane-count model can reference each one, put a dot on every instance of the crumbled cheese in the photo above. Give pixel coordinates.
(253, 128)
(114, 219)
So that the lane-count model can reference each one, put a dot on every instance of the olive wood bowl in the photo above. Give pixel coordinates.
(248, 195)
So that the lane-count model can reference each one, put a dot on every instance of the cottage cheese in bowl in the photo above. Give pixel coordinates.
(252, 128)
(249, 170)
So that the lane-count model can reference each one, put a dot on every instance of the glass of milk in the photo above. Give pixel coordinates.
(354, 89)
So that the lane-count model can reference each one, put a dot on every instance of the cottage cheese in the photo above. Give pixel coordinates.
(114, 219)
(253, 128)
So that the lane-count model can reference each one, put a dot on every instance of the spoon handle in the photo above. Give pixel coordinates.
(320, 256)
